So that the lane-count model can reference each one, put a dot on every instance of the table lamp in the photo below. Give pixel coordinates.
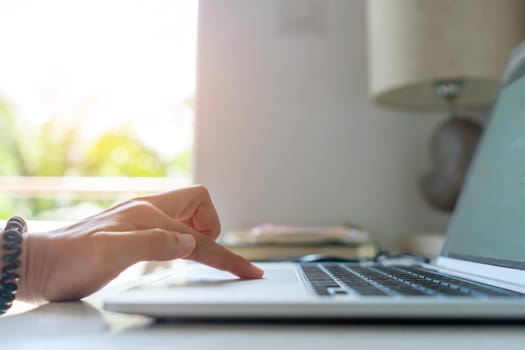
(442, 54)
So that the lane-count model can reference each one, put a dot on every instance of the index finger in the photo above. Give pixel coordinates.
(192, 206)
(208, 252)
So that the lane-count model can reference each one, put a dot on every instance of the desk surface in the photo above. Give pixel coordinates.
(84, 325)
(81, 325)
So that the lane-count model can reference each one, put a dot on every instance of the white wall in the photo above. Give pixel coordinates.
(285, 130)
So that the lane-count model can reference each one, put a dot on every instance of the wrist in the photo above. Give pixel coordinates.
(23, 290)
(29, 284)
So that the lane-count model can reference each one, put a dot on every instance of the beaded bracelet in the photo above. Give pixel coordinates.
(12, 247)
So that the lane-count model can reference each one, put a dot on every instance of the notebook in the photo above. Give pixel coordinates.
(480, 273)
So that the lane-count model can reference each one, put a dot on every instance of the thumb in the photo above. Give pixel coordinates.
(152, 244)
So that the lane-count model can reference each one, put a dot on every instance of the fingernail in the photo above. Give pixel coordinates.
(257, 271)
(186, 243)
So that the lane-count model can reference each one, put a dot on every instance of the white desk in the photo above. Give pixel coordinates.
(84, 325)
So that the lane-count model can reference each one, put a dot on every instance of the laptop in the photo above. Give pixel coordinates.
(480, 273)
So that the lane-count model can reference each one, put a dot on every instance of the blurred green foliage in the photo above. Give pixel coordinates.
(56, 149)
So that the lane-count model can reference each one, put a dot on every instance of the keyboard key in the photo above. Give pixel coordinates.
(328, 279)
(464, 286)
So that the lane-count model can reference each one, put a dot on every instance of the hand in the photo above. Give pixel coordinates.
(75, 261)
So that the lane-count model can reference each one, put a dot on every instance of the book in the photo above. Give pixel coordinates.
(269, 252)
(269, 242)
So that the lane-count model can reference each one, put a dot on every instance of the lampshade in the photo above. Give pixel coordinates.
(415, 43)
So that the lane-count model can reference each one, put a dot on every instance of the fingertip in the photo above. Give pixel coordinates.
(257, 271)
(213, 254)
(251, 272)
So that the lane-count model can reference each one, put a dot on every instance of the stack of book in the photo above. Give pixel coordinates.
(272, 243)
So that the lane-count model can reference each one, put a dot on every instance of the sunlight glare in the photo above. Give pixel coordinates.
(102, 63)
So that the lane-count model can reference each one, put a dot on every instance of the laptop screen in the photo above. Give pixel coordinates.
(488, 224)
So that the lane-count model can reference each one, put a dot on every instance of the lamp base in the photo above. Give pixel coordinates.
(452, 147)
(427, 244)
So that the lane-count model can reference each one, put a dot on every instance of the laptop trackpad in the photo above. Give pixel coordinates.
(196, 280)
(200, 275)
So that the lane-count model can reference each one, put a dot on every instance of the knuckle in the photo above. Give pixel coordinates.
(142, 203)
(140, 206)
(160, 232)
(161, 236)
(202, 190)
(167, 243)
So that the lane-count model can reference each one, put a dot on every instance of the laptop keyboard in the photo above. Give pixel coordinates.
(330, 279)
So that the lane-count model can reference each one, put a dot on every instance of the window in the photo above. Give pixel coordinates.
(96, 102)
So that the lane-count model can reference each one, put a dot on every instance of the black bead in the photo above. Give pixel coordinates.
(5, 294)
(11, 245)
(9, 287)
(10, 297)
(9, 277)
(12, 237)
(10, 265)
(11, 258)
(12, 240)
